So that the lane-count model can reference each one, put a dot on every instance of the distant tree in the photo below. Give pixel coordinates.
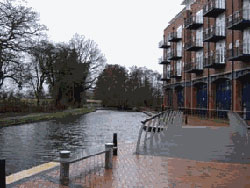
(18, 28)
(139, 87)
(111, 86)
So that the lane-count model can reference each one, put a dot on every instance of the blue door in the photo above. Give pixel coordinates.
(223, 98)
(201, 99)
(180, 99)
(246, 100)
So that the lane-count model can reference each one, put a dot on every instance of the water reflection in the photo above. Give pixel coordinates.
(32, 144)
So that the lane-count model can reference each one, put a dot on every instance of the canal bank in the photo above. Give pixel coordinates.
(32, 144)
(36, 117)
(130, 170)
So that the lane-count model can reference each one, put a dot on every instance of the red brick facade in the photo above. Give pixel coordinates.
(215, 57)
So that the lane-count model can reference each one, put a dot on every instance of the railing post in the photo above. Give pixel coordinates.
(64, 167)
(2, 174)
(115, 149)
(108, 155)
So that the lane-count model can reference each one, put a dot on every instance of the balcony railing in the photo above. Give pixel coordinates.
(194, 45)
(174, 37)
(194, 67)
(193, 22)
(239, 20)
(214, 8)
(164, 44)
(214, 34)
(175, 54)
(215, 61)
(166, 76)
(240, 53)
(164, 60)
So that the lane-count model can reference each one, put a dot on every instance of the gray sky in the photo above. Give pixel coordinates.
(126, 31)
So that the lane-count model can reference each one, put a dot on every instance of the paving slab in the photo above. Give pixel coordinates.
(130, 170)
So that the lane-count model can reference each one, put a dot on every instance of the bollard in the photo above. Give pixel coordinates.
(108, 155)
(115, 148)
(2, 174)
(64, 167)
(186, 119)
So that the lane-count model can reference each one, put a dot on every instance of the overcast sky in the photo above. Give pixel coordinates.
(126, 31)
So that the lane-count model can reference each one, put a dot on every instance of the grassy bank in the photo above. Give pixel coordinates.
(35, 117)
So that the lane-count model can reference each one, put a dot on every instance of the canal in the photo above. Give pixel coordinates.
(32, 144)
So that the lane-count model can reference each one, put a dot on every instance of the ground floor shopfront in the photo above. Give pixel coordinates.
(213, 96)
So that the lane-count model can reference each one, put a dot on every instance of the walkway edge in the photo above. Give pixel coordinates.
(30, 172)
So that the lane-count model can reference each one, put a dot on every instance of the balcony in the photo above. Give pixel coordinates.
(194, 45)
(177, 73)
(215, 61)
(194, 67)
(164, 60)
(214, 34)
(166, 77)
(214, 8)
(240, 53)
(193, 22)
(174, 37)
(175, 55)
(240, 20)
(164, 44)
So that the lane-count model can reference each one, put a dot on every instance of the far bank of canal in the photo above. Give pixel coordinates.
(32, 144)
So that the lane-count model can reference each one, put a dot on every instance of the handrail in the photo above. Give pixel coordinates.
(155, 116)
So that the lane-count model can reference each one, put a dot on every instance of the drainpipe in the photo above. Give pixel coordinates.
(208, 74)
(232, 90)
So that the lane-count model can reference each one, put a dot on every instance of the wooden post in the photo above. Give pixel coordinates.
(115, 149)
(2, 174)
(64, 168)
(108, 155)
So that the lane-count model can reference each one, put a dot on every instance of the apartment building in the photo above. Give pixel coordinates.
(206, 58)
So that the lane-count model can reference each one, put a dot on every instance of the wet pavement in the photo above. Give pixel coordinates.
(202, 143)
(131, 170)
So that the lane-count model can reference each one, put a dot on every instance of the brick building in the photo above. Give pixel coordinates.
(206, 58)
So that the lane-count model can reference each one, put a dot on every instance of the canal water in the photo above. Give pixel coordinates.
(32, 144)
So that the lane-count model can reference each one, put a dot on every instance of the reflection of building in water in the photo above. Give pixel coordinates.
(206, 58)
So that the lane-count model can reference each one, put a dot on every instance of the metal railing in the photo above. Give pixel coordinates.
(193, 20)
(214, 4)
(198, 43)
(219, 31)
(214, 59)
(238, 16)
(240, 50)
(197, 65)
(164, 43)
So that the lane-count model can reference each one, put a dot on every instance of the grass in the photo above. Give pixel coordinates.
(35, 117)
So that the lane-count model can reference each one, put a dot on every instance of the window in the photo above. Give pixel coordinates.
(220, 4)
(246, 9)
(179, 49)
(246, 41)
(199, 16)
(199, 37)
(199, 59)
(220, 25)
(178, 67)
(220, 52)
(179, 32)
(168, 71)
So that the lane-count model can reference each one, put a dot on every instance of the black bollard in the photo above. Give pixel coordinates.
(2, 174)
(115, 148)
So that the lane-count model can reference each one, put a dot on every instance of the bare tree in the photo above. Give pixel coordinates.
(18, 27)
(88, 53)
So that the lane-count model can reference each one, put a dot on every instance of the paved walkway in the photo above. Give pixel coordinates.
(130, 170)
